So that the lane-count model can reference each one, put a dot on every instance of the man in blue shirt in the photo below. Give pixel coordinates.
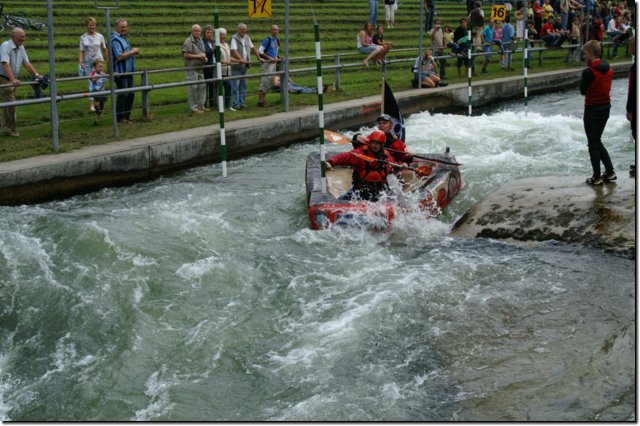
(123, 62)
(507, 38)
(268, 50)
(487, 42)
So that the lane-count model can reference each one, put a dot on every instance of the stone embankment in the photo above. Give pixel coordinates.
(561, 208)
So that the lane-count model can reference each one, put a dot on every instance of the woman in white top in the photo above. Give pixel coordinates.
(365, 44)
(92, 47)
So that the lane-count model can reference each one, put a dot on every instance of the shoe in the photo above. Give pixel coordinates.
(197, 111)
(484, 72)
(594, 180)
(232, 109)
(443, 84)
(128, 121)
(92, 108)
(11, 133)
(262, 104)
(205, 109)
(609, 176)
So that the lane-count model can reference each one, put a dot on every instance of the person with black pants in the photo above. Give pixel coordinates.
(595, 85)
(631, 98)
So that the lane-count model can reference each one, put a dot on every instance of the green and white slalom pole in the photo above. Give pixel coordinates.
(469, 68)
(323, 168)
(525, 71)
(220, 87)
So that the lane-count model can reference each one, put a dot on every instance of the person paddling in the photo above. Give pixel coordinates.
(385, 125)
(369, 177)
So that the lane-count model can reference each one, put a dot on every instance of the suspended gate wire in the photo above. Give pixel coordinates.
(313, 13)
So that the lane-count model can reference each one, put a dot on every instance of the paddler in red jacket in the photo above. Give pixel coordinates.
(369, 177)
(385, 124)
(595, 85)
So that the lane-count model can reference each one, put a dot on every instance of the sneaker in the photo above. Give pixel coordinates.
(484, 72)
(11, 133)
(594, 180)
(232, 109)
(609, 176)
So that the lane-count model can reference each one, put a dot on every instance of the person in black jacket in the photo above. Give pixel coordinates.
(595, 85)
(631, 98)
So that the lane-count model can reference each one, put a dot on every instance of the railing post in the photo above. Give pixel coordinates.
(336, 84)
(145, 94)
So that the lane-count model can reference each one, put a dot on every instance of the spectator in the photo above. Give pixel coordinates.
(476, 17)
(537, 15)
(373, 12)
(96, 84)
(92, 47)
(296, 88)
(631, 97)
(574, 39)
(390, 7)
(508, 33)
(378, 38)
(194, 60)
(425, 70)
(497, 38)
(547, 10)
(460, 49)
(438, 44)
(595, 85)
(615, 33)
(12, 55)
(391, 141)
(552, 37)
(487, 42)
(448, 35)
(123, 62)
(430, 12)
(240, 47)
(532, 36)
(269, 52)
(365, 44)
(225, 61)
(209, 69)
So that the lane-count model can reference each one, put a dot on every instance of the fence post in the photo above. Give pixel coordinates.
(112, 84)
(52, 75)
(145, 94)
(336, 84)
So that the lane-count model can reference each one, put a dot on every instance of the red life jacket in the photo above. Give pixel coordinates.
(598, 92)
(373, 174)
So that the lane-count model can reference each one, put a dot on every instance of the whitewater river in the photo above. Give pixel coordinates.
(195, 297)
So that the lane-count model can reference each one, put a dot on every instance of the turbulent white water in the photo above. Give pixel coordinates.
(195, 297)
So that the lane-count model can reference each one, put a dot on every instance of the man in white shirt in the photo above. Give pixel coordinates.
(240, 46)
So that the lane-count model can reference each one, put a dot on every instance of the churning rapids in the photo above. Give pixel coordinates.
(195, 297)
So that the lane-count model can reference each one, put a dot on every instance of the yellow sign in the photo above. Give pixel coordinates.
(259, 9)
(498, 12)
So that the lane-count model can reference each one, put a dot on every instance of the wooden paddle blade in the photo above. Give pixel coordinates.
(364, 157)
(336, 138)
(424, 170)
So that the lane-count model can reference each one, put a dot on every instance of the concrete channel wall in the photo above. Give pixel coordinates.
(124, 162)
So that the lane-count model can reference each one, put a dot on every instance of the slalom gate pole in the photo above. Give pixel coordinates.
(220, 87)
(469, 68)
(316, 30)
(525, 71)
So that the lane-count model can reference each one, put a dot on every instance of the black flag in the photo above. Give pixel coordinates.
(391, 108)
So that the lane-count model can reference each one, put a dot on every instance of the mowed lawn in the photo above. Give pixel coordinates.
(159, 28)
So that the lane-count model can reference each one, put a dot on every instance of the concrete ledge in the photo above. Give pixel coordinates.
(54, 176)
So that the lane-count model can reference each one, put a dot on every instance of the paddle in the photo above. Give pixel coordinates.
(339, 139)
(422, 170)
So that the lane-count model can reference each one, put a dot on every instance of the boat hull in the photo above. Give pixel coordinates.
(430, 193)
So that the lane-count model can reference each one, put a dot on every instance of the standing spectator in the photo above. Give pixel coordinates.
(508, 33)
(123, 62)
(595, 85)
(461, 45)
(96, 84)
(547, 10)
(12, 55)
(631, 97)
(240, 46)
(92, 47)
(209, 69)
(487, 42)
(194, 60)
(390, 12)
(225, 61)
(269, 52)
(438, 44)
(430, 9)
(373, 12)
(476, 18)
(574, 38)
(537, 15)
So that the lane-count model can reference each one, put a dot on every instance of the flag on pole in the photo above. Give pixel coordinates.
(390, 106)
